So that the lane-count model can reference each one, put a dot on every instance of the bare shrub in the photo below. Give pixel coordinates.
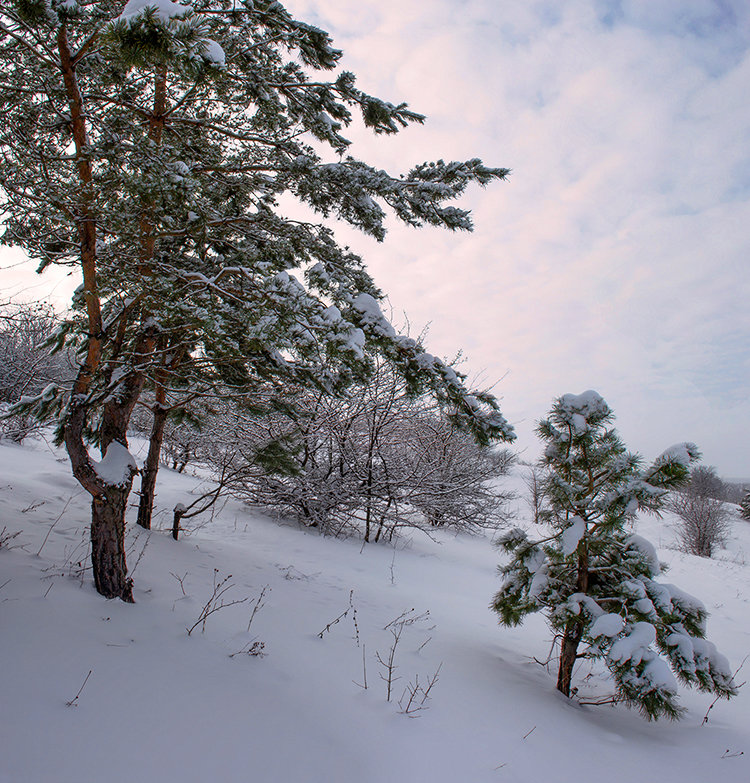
(29, 364)
(705, 482)
(536, 492)
(370, 463)
(704, 523)
(216, 601)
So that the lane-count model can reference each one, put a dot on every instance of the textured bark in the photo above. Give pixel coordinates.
(108, 544)
(178, 514)
(574, 628)
(108, 503)
(568, 656)
(151, 468)
(107, 507)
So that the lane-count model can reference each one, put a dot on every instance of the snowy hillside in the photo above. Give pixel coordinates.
(284, 700)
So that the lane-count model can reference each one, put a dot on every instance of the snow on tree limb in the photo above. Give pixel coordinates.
(596, 583)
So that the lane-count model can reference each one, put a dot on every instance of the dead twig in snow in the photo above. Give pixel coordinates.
(363, 684)
(415, 695)
(6, 538)
(351, 608)
(215, 602)
(711, 706)
(181, 580)
(258, 604)
(74, 700)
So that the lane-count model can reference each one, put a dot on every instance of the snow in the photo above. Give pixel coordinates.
(118, 465)
(682, 453)
(607, 625)
(634, 646)
(581, 407)
(372, 315)
(647, 549)
(162, 705)
(658, 673)
(687, 602)
(572, 536)
(164, 9)
(213, 53)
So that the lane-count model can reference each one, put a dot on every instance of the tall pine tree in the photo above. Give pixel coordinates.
(148, 144)
(595, 581)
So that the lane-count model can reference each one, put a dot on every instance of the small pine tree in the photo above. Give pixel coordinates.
(595, 581)
(745, 506)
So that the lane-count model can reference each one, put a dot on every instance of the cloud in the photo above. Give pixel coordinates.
(615, 256)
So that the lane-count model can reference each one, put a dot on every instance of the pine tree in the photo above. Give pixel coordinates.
(148, 144)
(597, 582)
(745, 506)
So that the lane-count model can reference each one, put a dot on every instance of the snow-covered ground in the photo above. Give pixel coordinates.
(160, 705)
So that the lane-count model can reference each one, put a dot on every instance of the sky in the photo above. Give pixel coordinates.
(615, 256)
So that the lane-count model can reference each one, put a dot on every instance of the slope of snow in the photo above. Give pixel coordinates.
(162, 705)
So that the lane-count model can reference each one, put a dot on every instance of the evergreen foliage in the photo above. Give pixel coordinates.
(745, 506)
(149, 144)
(595, 581)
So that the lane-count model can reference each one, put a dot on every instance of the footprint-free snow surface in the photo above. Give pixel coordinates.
(272, 688)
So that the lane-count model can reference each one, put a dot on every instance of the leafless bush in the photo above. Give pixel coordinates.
(28, 364)
(387, 662)
(705, 482)
(704, 522)
(216, 601)
(370, 464)
(350, 609)
(414, 698)
(536, 493)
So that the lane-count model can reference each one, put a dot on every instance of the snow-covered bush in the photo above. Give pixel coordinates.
(704, 525)
(366, 463)
(598, 583)
(28, 364)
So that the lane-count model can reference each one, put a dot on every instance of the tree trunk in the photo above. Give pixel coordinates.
(108, 544)
(108, 501)
(568, 656)
(151, 468)
(179, 512)
(574, 628)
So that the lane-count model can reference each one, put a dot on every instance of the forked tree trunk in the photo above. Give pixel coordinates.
(108, 502)
(151, 468)
(108, 544)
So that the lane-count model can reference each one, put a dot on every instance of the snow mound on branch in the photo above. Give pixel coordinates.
(607, 625)
(163, 9)
(213, 53)
(118, 465)
(572, 535)
(647, 549)
(682, 453)
(580, 408)
(372, 315)
(634, 646)
(659, 675)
